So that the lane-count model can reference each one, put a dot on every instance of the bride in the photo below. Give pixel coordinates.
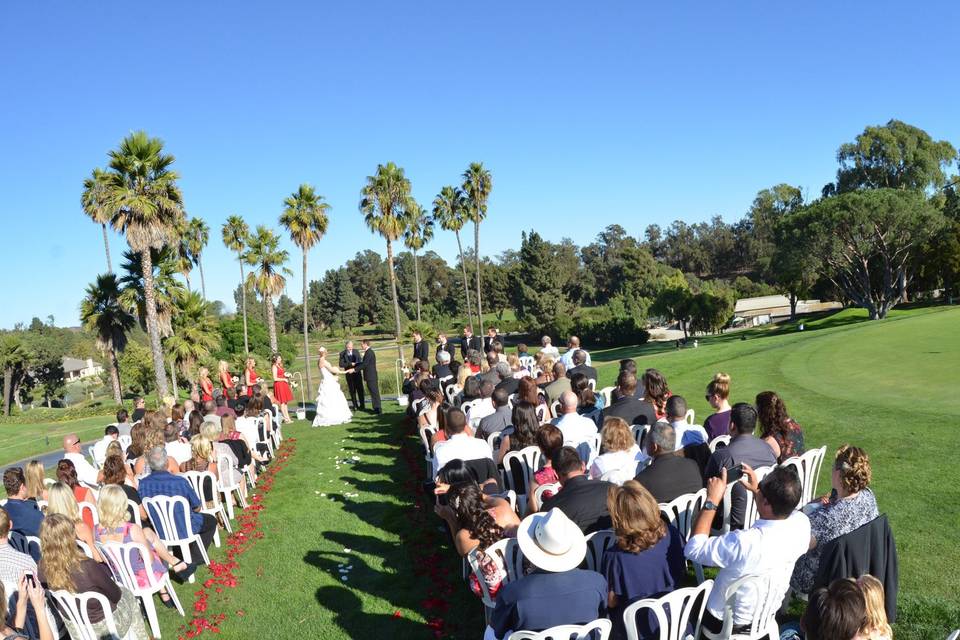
(332, 406)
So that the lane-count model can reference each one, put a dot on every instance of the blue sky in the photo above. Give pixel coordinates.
(586, 113)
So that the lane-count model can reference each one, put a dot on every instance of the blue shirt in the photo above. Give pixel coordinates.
(26, 516)
(542, 600)
(164, 483)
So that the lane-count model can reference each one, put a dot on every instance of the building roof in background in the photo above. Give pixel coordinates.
(762, 302)
(75, 364)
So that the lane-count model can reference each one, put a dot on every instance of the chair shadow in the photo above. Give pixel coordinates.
(356, 623)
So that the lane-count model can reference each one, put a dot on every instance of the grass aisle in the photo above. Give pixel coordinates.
(322, 522)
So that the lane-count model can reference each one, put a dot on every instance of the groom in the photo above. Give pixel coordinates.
(349, 359)
(368, 365)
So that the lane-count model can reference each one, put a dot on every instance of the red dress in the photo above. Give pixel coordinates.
(226, 381)
(206, 388)
(281, 388)
(254, 379)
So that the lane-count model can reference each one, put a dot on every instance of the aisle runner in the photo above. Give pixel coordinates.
(242, 540)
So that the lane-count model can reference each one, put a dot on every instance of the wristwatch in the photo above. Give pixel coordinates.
(709, 505)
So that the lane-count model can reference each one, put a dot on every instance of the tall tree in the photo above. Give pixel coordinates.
(768, 208)
(104, 316)
(96, 205)
(305, 219)
(196, 335)
(450, 211)
(14, 356)
(183, 258)
(235, 234)
(167, 289)
(383, 202)
(477, 184)
(269, 277)
(418, 233)
(143, 193)
(198, 235)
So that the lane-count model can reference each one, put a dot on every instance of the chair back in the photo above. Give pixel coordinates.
(134, 510)
(451, 391)
(426, 433)
(750, 513)
(681, 512)
(527, 362)
(494, 441)
(690, 417)
(120, 558)
(552, 487)
(542, 413)
(674, 612)
(87, 507)
(519, 467)
(124, 441)
(607, 394)
(507, 554)
(29, 545)
(165, 513)
(640, 432)
(808, 469)
(555, 408)
(768, 590)
(597, 544)
(955, 635)
(225, 471)
(718, 441)
(201, 480)
(592, 384)
(597, 630)
(75, 608)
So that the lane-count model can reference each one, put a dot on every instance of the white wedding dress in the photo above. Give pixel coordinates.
(332, 405)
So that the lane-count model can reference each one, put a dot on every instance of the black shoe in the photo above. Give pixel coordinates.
(187, 572)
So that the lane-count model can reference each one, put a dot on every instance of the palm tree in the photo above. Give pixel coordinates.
(268, 280)
(14, 355)
(383, 202)
(477, 184)
(195, 335)
(104, 316)
(198, 235)
(419, 232)
(167, 289)
(450, 210)
(183, 258)
(95, 204)
(305, 218)
(142, 191)
(235, 235)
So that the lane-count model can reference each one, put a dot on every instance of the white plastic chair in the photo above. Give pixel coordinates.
(601, 626)
(607, 394)
(452, 390)
(426, 433)
(763, 624)
(640, 432)
(494, 441)
(134, 510)
(86, 507)
(228, 491)
(528, 459)
(597, 544)
(681, 512)
(512, 400)
(162, 511)
(724, 440)
(527, 362)
(955, 635)
(542, 413)
(553, 487)
(555, 408)
(808, 468)
(87, 551)
(120, 557)
(674, 611)
(200, 479)
(750, 513)
(689, 417)
(508, 554)
(124, 441)
(74, 607)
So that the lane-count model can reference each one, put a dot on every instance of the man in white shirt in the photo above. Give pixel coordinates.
(485, 407)
(573, 345)
(687, 434)
(547, 349)
(71, 451)
(176, 449)
(768, 548)
(458, 445)
(578, 432)
(110, 434)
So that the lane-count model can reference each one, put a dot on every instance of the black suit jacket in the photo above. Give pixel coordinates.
(349, 360)
(671, 476)
(510, 384)
(421, 350)
(584, 501)
(488, 342)
(474, 342)
(590, 372)
(441, 370)
(446, 346)
(369, 365)
(632, 410)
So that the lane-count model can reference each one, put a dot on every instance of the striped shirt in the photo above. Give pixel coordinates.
(14, 564)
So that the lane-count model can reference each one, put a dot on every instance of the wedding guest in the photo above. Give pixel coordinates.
(620, 457)
(476, 520)
(627, 365)
(432, 402)
(501, 417)
(123, 422)
(230, 472)
(201, 458)
(28, 592)
(670, 474)
(206, 384)
(442, 368)
(547, 348)
(549, 440)
(84, 470)
(560, 384)
(582, 500)
(35, 475)
(523, 433)
(777, 428)
(573, 345)
(877, 627)
(655, 392)
(578, 431)
(687, 434)
(67, 474)
(110, 434)
(580, 366)
(545, 365)
(223, 409)
(836, 612)
(153, 437)
(63, 502)
(717, 393)
(115, 472)
(588, 402)
(25, 514)
(176, 448)
(626, 405)
(459, 444)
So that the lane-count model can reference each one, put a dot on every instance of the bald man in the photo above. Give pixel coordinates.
(71, 451)
(578, 432)
(573, 345)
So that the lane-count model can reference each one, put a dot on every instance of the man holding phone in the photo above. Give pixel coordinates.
(13, 564)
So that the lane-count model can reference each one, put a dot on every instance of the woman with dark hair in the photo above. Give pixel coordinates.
(431, 403)
(194, 423)
(471, 388)
(177, 416)
(528, 391)
(457, 472)
(589, 402)
(138, 434)
(549, 440)
(67, 474)
(115, 472)
(656, 392)
(523, 432)
(777, 428)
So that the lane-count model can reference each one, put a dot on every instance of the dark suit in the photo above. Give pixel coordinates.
(584, 501)
(632, 410)
(590, 372)
(466, 344)
(421, 351)
(510, 384)
(369, 368)
(671, 476)
(488, 342)
(446, 346)
(350, 360)
(743, 448)
(442, 371)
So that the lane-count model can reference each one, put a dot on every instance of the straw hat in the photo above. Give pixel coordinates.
(552, 541)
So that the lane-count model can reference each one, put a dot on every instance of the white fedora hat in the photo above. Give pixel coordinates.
(552, 541)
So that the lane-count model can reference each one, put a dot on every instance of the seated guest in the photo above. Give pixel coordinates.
(209, 415)
(123, 422)
(589, 402)
(84, 470)
(577, 431)
(471, 385)
(481, 472)
(202, 457)
(490, 374)
(687, 434)
(249, 426)
(179, 451)
(506, 381)
(12, 562)
(431, 403)
(522, 433)
(35, 475)
(627, 365)
(178, 415)
(442, 368)
(65, 567)
(717, 393)
(161, 482)
(549, 440)
(138, 434)
(744, 448)
(619, 454)
(560, 383)
(522, 351)
(528, 391)
(767, 549)
(63, 503)
(27, 593)
(476, 520)
(518, 371)
(474, 361)
(777, 428)
(850, 506)
(579, 366)
(243, 450)
(647, 559)
(557, 592)
(656, 392)
(110, 434)
(485, 407)
(115, 473)
(573, 345)
(139, 409)
(230, 470)
(67, 474)
(222, 408)
(500, 419)
(545, 365)
(582, 500)
(24, 513)
(626, 405)
(876, 627)
(116, 451)
(547, 348)
(458, 443)
(837, 612)
(153, 438)
(670, 474)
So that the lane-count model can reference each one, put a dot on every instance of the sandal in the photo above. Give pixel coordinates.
(166, 600)
(185, 573)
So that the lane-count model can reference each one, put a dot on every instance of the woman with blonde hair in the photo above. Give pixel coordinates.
(225, 377)
(620, 458)
(545, 365)
(206, 384)
(202, 458)
(63, 567)
(718, 392)
(877, 626)
(34, 474)
(115, 449)
(647, 559)
(250, 376)
(153, 438)
(62, 502)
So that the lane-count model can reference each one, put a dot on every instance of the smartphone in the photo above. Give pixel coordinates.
(30, 580)
(734, 473)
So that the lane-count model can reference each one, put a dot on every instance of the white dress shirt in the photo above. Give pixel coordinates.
(619, 466)
(689, 433)
(85, 471)
(769, 548)
(179, 451)
(462, 447)
(551, 352)
(100, 449)
(580, 433)
(567, 358)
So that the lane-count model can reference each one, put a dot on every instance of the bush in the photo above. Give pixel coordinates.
(426, 329)
(44, 415)
(609, 331)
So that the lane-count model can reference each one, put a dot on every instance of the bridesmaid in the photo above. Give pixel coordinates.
(226, 380)
(281, 387)
(206, 385)
(250, 376)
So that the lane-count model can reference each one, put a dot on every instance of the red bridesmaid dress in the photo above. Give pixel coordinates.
(281, 388)
(206, 388)
(254, 379)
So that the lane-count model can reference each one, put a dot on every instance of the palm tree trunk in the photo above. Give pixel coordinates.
(306, 329)
(7, 383)
(416, 277)
(396, 302)
(466, 285)
(186, 276)
(106, 248)
(173, 379)
(153, 324)
(476, 255)
(271, 322)
(115, 376)
(243, 297)
(203, 283)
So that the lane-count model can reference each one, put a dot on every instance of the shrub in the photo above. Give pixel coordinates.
(609, 330)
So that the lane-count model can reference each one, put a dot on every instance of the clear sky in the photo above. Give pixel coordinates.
(586, 113)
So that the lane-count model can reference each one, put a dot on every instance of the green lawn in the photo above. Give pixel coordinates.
(19, 441)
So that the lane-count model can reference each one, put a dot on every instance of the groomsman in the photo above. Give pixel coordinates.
(368, 364)
(443, 345)
(421, 350)
(349, 359)
(468, 342)
(489, 339)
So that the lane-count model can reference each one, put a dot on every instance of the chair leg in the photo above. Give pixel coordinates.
(188, 558)
(151, 610)
(228, 502)
(173, 594)
(226, 519)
